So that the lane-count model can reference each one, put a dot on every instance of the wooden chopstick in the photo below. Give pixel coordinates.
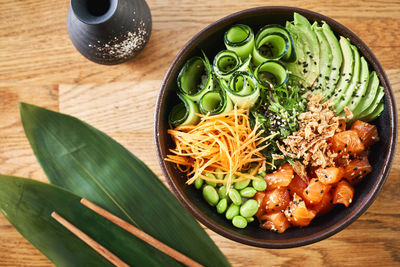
(89, 241)
(142, 235)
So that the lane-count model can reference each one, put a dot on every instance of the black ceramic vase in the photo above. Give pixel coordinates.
(109, 31)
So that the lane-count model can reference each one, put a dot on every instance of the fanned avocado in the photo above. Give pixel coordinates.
(369, 95)
(337, 59)
(375, 114)
(379, 96)
(352, 88)
(307, 49)
(361, 86)
(345, 71)
(325, 60)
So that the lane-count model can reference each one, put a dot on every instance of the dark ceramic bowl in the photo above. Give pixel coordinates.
(211, 41)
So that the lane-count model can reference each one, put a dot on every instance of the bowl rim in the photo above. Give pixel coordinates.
(381, 177)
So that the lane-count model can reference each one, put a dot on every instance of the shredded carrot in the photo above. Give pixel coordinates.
(225, 141)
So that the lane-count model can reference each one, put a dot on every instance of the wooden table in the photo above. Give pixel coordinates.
(39, 65)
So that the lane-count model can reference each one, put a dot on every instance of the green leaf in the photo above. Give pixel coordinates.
(28, 205)
(76, 156)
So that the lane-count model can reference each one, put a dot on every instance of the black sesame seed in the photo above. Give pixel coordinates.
(345, 145)
(322, 191)
(355, 169)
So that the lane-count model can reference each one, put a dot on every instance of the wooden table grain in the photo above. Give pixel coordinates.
(39, 65)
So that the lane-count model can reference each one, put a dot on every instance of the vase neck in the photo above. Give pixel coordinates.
(94, 11)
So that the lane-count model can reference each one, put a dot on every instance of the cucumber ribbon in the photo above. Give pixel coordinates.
(240, 39)
(271, 73)
(185, 113)
(226, 62)
(273, 42)
(195, 78)
(243, 89)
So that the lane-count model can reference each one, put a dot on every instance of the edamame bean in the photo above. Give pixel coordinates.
(242, 184)
(222, 192)
(211, 176)
(232, 211)
(198, 183)
(259, 184)
(249, 208)
(250, 219)
(235, 196)
(248, 192)
(222, 205)
(239, 221)
(227, 176)
(210, 195)
(219, 174)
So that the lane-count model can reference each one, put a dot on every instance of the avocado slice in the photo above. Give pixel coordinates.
(362, 86)
(307, 49)
(325, 60)
(346, 70)
(375, 114)
(379, 96)
(337, 59)
(352, 88)
(296, 68)
(369, 95)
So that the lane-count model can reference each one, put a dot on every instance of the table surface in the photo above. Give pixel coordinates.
(39, 65)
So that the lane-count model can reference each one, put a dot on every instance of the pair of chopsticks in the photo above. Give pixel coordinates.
(126, 226)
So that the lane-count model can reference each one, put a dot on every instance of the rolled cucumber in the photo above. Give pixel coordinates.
(215, 102)
(185, 113)
(240, 38)
(195, 78)
(243, 89)
(271, 73)
(226, 62)
(273, 42)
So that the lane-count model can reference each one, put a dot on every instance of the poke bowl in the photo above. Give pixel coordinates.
(209, 42)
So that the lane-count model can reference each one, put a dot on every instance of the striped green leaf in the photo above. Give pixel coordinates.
(82, 159)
